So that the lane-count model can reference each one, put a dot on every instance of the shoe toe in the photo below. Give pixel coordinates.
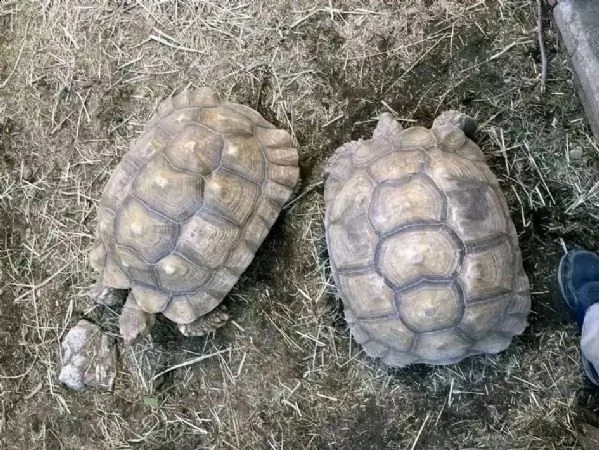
(590, 371)
(578, 277)
(582, 267)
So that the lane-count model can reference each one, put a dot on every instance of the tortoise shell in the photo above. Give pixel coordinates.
(422, 247)
(189, 204)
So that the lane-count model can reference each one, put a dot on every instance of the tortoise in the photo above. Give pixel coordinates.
(185, 210)
(422, 247)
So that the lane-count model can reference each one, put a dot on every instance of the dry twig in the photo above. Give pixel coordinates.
(189, 362)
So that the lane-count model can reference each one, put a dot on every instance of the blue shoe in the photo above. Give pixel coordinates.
(578, 278)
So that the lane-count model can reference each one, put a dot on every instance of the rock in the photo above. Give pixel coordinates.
(27, 174)
(578, 24)
(88, 357)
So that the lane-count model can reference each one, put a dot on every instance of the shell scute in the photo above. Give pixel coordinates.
(244, 156)
(196, 149)
(230, 195)
(226, 122)
(206, 240)
(397, 204)
(149, 233)
(169, 191)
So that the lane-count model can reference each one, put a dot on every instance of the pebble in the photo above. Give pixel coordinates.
(27, 173)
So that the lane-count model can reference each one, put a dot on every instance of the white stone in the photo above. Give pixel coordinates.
(88, 357)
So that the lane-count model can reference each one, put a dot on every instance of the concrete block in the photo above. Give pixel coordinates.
(578, 24)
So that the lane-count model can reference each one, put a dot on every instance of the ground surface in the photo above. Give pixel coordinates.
(78, 80)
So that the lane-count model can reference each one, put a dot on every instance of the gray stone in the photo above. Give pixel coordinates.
(578, 24)
(88, 357)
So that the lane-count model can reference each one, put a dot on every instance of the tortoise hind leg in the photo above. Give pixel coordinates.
(134, 321)
(207, 323)
(387, 128)
(458, 119)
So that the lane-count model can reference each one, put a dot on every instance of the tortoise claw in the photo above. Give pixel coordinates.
(206, 324)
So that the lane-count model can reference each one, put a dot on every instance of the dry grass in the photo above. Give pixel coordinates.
(78, 80)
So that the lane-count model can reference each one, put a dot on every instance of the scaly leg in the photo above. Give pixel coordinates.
(134, 321)
(206, 324)
(106, 295)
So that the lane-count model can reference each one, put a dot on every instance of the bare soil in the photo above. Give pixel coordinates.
(78, 81)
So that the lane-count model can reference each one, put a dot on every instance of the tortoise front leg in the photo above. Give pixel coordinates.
(134, 321)
(113, 284)
(106, 295)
